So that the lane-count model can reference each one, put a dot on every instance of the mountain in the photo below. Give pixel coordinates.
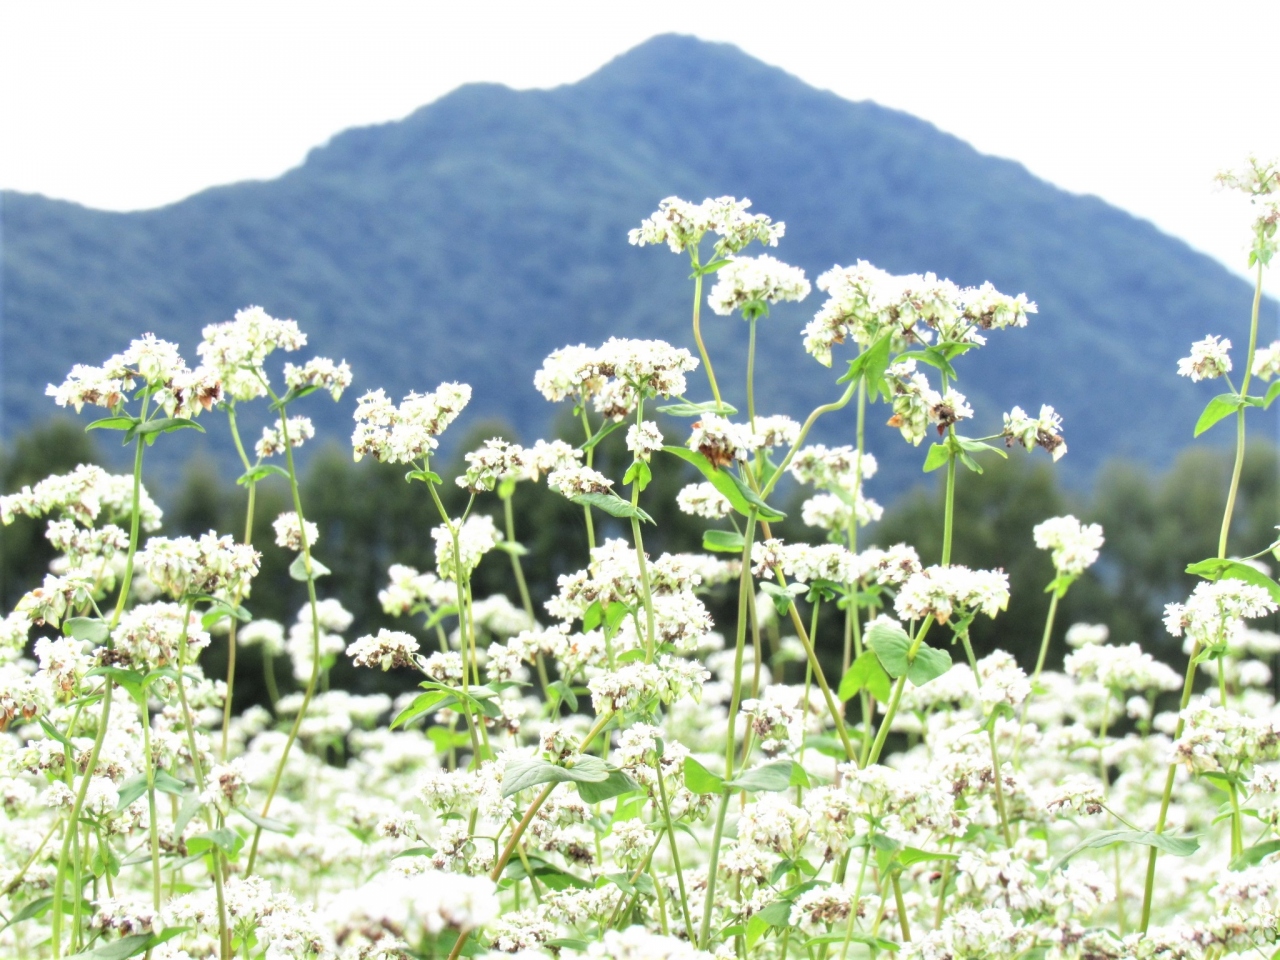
(488, 228)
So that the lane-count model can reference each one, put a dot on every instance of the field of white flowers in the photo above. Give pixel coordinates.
(615, 775)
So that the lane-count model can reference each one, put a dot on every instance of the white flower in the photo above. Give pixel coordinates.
(703, 500)
(720, 441)
(748, 283)
(644, 439)
(476, 537)
(1209, 359)
(1075, 545)
(289, 532)
(408, 432)
(319, 373)
(238, 348)
(575, 481)
(300, 430)
(681, 225)
(1044, 431)
(941, 591)
(1084, 634)
(1266, 361)
(390, 648)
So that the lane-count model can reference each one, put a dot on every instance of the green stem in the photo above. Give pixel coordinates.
(744, 599)
(153, 828)
(996, 775)
(697, 332)
(248, 541)
(804, 432)
(1238, 467)
(751, 372)
(675, 852)
(591, 453)
(315, 636)
(523, 587)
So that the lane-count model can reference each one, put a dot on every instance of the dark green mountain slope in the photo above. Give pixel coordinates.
(468, 240)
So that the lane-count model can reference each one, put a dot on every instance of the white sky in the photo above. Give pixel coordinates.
(126, 105)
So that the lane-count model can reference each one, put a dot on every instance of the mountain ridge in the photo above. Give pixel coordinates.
(498, 217)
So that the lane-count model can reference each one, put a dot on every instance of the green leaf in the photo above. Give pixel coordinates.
(566, 694)
(639, 474)
(266, 823)
(36, 908)
(911, 855)
(980, 446)
(426, 476)
(605, 429)
(522, 774)
(701, 780)
(870, 364)
(782, 597)
(1215, 569)
(890, 643)
(168, 783)
(166, 425)
(1272, 393)
(723, 541)
(220, 610)
(1255, 854)
(614, 785)
(697, 409)
(612, 504)
(129, 680)
(446, 739)
(298, 569)
(743, 499)
(423, 703)
(224, 838)
(129, 946)
(853, 936)
(772, 777)
(114, 423)
(1175, 846)
(939, 454)
(1218, 408)
(261, 472)
(568, 943)
(929, 663)
(88, 629)
(512, 548)
(131, 790)
(865, 673)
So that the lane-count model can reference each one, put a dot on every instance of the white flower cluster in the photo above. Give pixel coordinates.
(748, 283)
(178, 390)
(408, 588)
(1266, 361)
(1120, 668)
(721, 441)
(1216, 611)
(319, 373)
(681, 225)
(476, 536)
(1074, 545)
(1210, 359)
(498, 461)
(85, 494)
(1043, 431)
(186, 567)
(408, 432)
(940, 592)
(1217, 738)
(389, 648)
(864, 302)
(616, 375)
(238, 348)
(289, 531)
(703, 500)
(299, 430)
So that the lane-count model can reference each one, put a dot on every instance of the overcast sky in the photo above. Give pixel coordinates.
(127, 105)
